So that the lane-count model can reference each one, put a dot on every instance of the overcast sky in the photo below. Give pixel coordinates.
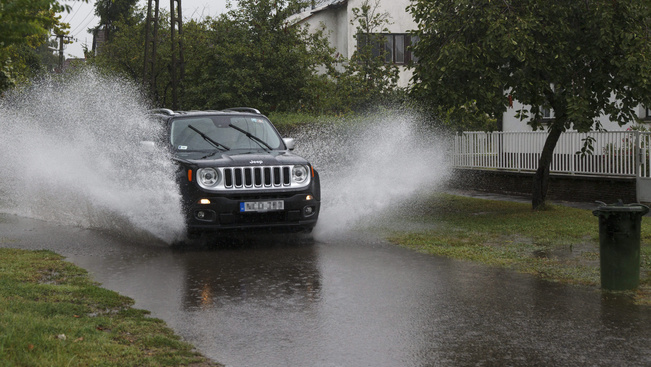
(82, 16)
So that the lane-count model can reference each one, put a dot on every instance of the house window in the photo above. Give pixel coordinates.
(547, 113)
(389, 48)
(399, 48)
(395, 47)
(412, 41)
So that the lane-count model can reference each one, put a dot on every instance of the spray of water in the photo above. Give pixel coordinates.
(371, 167)
(71, 154)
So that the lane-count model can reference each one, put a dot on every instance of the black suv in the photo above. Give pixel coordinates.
(237, 173)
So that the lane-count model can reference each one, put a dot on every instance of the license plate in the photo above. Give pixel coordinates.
(262, 206)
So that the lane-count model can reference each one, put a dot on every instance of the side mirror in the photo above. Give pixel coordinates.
(147, 146)
(290, 143)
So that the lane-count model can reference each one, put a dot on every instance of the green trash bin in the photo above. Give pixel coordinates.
(619, 244)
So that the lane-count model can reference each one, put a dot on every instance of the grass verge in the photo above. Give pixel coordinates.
(52, 314)
(559, 244)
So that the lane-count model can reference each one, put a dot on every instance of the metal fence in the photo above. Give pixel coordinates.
(615, 153)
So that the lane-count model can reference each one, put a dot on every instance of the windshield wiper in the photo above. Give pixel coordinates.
(260, 142)
(208, 139)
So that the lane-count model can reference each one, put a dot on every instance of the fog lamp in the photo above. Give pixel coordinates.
(308, 210)
(201, 214)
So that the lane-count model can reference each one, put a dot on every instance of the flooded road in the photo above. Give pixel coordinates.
(74, 157)
(351, 300)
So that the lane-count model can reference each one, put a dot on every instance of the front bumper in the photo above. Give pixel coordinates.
(223, 213)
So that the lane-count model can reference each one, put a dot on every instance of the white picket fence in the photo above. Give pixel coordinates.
(615, 153)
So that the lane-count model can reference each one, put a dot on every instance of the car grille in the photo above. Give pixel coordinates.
(257, 177)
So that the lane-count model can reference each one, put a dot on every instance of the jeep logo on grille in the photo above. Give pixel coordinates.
(255, 162)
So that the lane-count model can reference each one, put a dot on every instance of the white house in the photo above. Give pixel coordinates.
(512, 123)
(338, 19)
(336, 16)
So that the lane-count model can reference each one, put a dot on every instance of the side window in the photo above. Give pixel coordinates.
(394, 47)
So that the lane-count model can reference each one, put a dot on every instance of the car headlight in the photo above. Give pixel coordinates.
(208, 177)
(299, 174)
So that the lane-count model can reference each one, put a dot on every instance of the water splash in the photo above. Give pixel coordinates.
(71, 154)
(368, 168)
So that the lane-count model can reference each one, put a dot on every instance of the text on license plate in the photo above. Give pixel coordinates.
(262, 206)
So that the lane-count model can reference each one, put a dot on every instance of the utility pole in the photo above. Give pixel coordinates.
(178, 64)
(151, 40)
(60, 52)
(62, 39)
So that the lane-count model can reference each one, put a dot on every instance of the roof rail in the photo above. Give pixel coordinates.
(243, 109)
(162, 111)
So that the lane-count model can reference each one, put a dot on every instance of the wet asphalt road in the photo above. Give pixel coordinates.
(351, 300)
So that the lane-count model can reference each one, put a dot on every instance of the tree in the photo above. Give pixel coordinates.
(21, 19)
(24, 26)
(580, 59)
(255, 55)
(123, 53)
(112, 11)
(251, 55)
(368, 78)
(365, 80)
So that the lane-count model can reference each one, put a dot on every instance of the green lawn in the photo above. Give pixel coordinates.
(559, 244)
(52, 314)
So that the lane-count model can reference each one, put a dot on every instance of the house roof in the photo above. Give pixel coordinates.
(331, 4)
(326, 5)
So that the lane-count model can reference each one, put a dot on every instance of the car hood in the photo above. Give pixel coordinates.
(239, 159)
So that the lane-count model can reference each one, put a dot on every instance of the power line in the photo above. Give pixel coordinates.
(85, 25)
(73, 16)
(195, 11)
(87, 15)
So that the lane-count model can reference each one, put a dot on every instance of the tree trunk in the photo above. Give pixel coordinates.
(541, 178)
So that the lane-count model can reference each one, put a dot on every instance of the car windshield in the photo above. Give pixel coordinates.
(186, 133)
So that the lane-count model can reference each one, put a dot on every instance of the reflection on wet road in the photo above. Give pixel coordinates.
(351, 301)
